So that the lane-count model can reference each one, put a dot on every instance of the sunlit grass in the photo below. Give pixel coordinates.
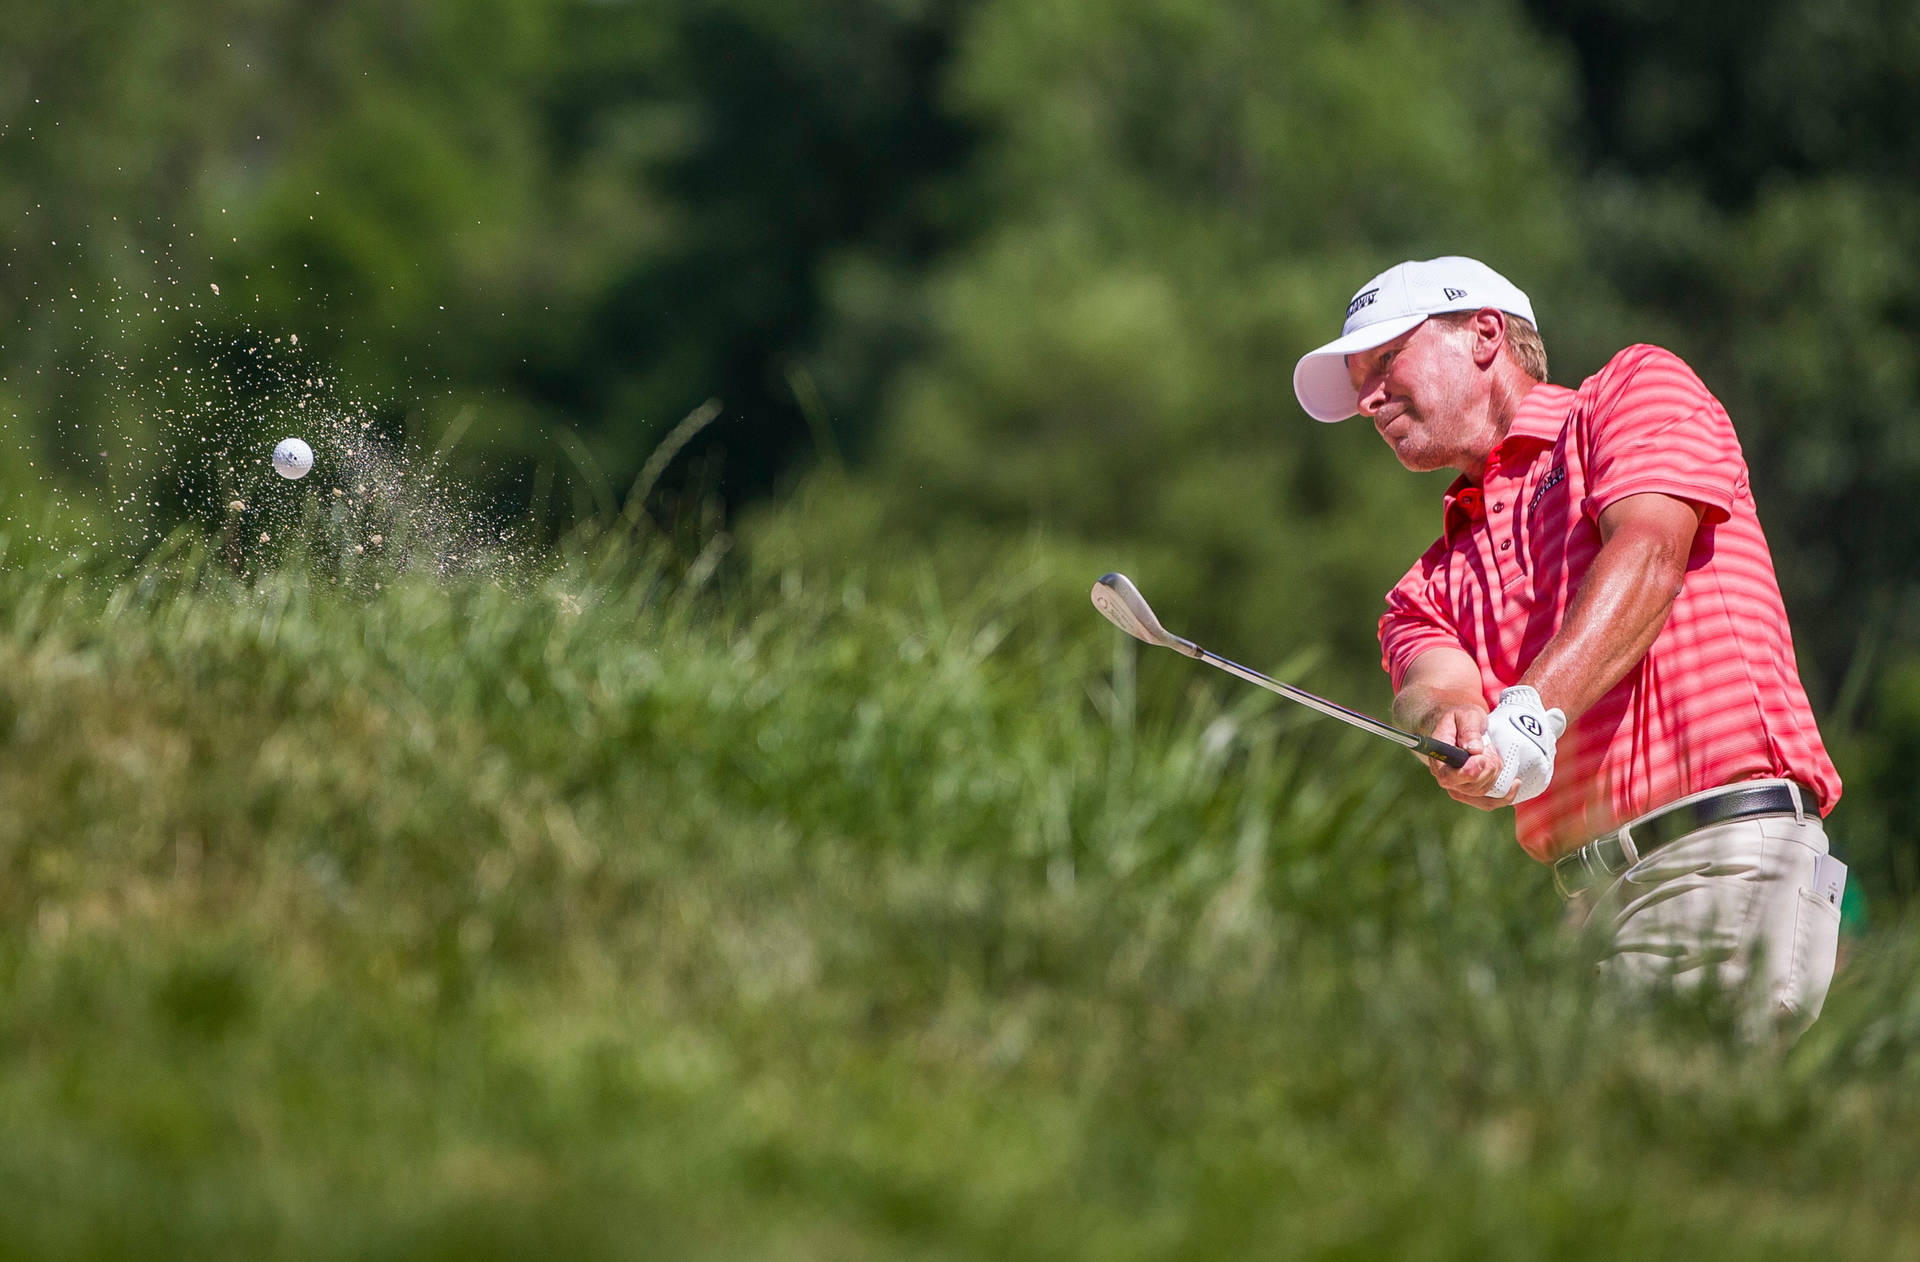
(805, 913)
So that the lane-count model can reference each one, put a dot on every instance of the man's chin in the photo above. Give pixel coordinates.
(1413, 458)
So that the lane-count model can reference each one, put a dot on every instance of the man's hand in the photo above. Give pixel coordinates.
(1440, 696)
(1523, 733)
(1472, 782)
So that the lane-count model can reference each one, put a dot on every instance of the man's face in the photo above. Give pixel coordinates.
(1418, 390)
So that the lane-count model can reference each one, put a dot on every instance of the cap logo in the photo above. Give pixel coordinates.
(1454, 295)
(1362, 300)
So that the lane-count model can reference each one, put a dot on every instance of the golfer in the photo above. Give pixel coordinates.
(1600, 626)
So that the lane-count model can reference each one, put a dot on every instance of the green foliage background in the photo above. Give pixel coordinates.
(1021, 264)
(996, 295)
(1049, 263)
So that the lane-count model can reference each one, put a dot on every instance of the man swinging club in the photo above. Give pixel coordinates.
(1599, 625)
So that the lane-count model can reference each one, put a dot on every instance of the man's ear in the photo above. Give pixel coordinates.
(1489, 335)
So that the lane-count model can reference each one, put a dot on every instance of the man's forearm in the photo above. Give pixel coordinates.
(1418, 707)
(1615, 616)
(1438, 682)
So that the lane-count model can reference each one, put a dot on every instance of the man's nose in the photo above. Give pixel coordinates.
(1373, 392)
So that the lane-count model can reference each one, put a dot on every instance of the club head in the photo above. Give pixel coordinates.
(1121, 603)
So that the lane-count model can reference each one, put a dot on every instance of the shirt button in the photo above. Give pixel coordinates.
(1505, 546)
(1497, 507)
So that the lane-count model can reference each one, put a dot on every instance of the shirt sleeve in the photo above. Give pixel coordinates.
(1415, 620)
(1654, 426)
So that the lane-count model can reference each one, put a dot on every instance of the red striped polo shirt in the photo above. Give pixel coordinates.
(1717, 698)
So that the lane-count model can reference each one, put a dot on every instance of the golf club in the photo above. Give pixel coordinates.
(1116, 597)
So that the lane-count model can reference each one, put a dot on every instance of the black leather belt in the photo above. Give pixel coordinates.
(1617, 851)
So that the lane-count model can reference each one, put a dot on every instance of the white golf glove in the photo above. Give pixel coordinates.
(1523, 734)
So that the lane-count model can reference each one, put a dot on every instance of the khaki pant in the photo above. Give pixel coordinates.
(1750, 907)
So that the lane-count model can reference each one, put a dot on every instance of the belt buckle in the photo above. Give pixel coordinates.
(1557, 882)
(1594, 858)
(1566, 862)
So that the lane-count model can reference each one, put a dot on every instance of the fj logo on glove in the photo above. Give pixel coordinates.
(1522, 734)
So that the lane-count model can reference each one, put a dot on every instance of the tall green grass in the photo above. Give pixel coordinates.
(818, 912)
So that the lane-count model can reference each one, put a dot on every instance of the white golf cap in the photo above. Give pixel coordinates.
(1387, 306)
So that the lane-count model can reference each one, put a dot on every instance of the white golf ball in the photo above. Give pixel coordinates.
(292, 458)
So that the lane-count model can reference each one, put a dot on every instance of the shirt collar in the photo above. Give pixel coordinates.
(1540, 417)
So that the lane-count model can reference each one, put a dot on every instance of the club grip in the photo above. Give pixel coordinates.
(1452, 755)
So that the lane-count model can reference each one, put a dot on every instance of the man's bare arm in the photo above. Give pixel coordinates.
(1621, 605)
(1441, 696)
(1438, 680)
(1613, 619)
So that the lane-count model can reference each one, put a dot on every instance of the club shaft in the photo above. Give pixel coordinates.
(1452, 755)
(1121, 603)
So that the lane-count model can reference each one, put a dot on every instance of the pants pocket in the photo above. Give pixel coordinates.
(1816, 939)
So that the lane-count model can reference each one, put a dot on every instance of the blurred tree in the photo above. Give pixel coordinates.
(548, 214)
(1734, 97)
(802, 133)
(1183, 193)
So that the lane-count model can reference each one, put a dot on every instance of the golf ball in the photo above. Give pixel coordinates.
(292, 458)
